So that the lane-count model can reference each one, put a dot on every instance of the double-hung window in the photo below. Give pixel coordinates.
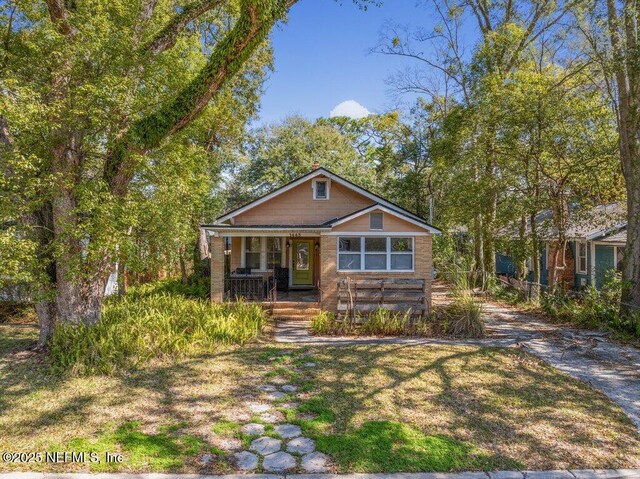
(253, 252)
(375, 253)
(262, 253)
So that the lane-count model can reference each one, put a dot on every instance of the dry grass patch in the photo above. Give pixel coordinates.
(397, 407)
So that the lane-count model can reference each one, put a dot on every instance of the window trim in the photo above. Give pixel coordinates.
(388, 254)
(327, 182)
(579, 257)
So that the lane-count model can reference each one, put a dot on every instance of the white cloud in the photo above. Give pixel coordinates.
(350, 108)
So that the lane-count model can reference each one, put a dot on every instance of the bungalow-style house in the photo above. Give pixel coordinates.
(300, 241)
(596, 240)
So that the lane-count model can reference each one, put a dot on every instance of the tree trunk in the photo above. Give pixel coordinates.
(122, 278)
(623, 32)
(478, 245)
(535, 255)
(631, 269)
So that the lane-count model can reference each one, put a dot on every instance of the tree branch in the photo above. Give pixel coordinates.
(227, 59)
(59, 17)
(167, 37)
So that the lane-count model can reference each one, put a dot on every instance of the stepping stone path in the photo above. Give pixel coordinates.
(301, 445)
(259, 407)
(246, 460)
(276, 395)
(253, 429)
(288, 431)
(291, 452)
(279, 462)
(266, 445)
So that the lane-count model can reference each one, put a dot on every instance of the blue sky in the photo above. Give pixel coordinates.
(322, 59)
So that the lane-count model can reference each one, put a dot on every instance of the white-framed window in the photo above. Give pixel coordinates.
(375, 221)
(581, 254)
(253, 252)
(375, 253)
(262, 253)
(321, 189)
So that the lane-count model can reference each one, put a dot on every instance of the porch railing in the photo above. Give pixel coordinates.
(247, 287)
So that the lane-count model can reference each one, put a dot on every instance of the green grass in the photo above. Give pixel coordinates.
(395, 447)
(165, 450)
(140, 328)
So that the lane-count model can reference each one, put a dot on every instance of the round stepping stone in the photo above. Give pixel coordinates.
(288, 430)
(276, 395)
(270, 418)
(289, 388)
(206, 459)
(301, 445)
(259, 407)
(246, 460)
(253, 429)
(266, 445)
(309, 365)
(315, 462)
(278, 462)
(267, 387)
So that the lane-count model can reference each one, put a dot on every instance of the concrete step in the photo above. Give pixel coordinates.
(287, 311)
(292, 317)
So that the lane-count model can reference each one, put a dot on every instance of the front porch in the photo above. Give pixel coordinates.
(264, 265)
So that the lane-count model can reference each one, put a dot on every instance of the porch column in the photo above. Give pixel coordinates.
(217, 269)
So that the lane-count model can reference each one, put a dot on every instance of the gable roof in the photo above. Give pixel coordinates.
(377, 206)
(584, 223)
(338, 179)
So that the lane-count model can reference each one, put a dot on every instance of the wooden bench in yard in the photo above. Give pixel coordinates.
(368, 295)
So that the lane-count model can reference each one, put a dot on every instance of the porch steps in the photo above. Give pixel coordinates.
(294, 310)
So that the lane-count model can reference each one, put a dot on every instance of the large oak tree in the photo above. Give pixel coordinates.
(89, 88)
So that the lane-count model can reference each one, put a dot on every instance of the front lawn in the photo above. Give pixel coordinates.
(370, 408)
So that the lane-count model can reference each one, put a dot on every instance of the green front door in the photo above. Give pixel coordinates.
(302, 262)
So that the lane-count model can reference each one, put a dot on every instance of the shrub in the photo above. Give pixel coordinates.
(463, 317)
(196, 287)
(378, 323)
(17, 311)
(139, 328)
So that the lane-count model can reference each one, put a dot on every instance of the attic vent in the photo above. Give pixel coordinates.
(375, 221)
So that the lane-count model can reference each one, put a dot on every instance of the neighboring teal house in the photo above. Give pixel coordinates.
(596, 242)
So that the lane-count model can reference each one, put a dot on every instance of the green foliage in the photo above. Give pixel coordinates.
(593, 308)
(195, 288)
(16, 311)
(277, 154)
(388, 446)
(165, 450)
(143, 327)
(381, 322)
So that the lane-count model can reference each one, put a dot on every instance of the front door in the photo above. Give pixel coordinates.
(302, 262)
